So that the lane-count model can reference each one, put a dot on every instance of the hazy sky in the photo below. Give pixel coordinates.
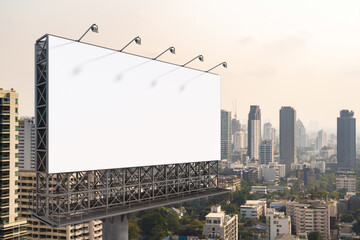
(304, 54)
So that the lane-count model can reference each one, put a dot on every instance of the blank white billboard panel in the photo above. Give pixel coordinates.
(108, 110)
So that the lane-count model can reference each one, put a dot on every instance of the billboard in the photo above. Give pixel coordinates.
(109, 109)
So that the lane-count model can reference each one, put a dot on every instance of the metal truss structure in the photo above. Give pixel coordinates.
(75, 197)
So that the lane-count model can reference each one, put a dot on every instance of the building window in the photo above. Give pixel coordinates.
(16, 101)
(16, 173)
(16, 110)
(16, 137)
(16, 119)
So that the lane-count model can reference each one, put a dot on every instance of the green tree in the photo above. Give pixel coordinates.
(153, 224)
(173, 224)
(134, 229)
(315, 235)
(347, 218)
(342, 193)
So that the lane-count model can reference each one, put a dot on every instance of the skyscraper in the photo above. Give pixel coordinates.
(267, 131)
(11, 226)
(287, 137)
(346, 140)
(266, 152)
(254, 131)
(225, 135)
(301, 138)
(27, 143)
(321, 140)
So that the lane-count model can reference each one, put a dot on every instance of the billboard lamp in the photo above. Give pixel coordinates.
(200, 57)
(223, 63)
(171, 49)
(93, 28)
(137, 41)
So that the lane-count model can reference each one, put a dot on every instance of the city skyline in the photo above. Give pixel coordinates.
(299, 63)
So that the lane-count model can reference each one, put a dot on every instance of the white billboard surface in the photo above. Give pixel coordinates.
(108, 109)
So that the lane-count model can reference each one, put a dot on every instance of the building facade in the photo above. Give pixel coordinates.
(254, 132)
(266, 152)
(301, 138)
(346, 140)
(287, 137)
(27, 143)
(347, 180)
(226, 147)
(321, 140)
(310, 216)
(277, 224)
(219, 225)
(11, 225)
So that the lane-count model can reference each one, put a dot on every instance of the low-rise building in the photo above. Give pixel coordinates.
(277, 223)
(346, 179)
(219, 225)
(277, 188)
(259, 189)
(253, 209)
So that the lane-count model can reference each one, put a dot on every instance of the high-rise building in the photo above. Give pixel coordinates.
(27, 143)
(321, 140)
(287, 137)
(226, 146)
(267, 131)
(301, 138)
(219, 225)
(91, 230)
(11, 226)
(266, 152)
(235, 125)
(346, 140)
(254, 132)
(240, 141)
(310, 216)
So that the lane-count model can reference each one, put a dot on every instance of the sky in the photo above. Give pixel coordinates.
(304, 54)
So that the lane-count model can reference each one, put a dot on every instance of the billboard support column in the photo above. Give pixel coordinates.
(116, 228)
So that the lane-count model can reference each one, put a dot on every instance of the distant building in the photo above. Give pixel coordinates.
(301, 138)
(287, 137)
(326, 153)
(235, 125)
(267, 131)
(346, 140)
(27, 143)
(243, 139)
(277, 224)
(253, 209)
(346, 179)
(219, 225)
(259, 189)
(226, 146)
(266, 152)
(240, 141)
(252, 173)
(309, 176)
(273, 171)
(254, 132)
(11, 225)
(321, 140)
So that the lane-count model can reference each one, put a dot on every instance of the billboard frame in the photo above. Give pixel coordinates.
(76, 197)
